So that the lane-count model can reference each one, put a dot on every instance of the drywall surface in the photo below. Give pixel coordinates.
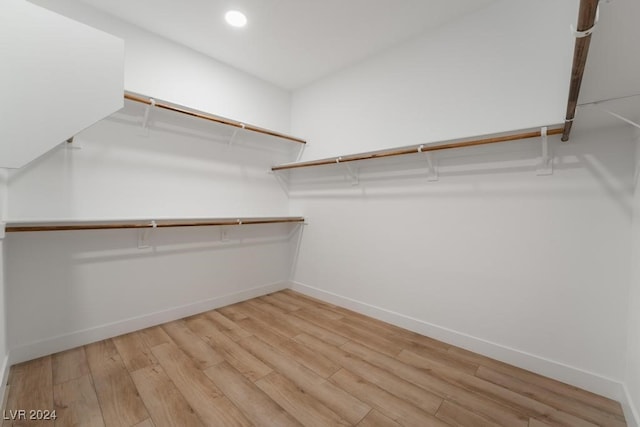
(4, 200)
(632, 377)
(177, 167)
(611, 71)
(491, 71)
(87, 285)
(58, 77)
(165, 70)
(92, 285)
(530, 269)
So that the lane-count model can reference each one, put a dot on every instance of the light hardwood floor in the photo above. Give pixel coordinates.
(287, 359)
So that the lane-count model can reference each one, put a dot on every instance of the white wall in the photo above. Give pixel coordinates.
(632, 375)
(159, 68)
(505, 67)
(4, 200)
(95, 284)
(529, 269)
(91, 285)
(181, 167)
(532, 270)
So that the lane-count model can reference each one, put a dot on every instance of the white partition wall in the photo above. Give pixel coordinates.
(4, 359)
(632, 374)
(491, 71)
(526, 268)
(57, 77)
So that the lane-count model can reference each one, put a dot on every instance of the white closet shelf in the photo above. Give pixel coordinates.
(69, 225)
(206, 116)
(420, 148)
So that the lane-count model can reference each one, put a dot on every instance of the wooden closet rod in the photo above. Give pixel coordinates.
(92, 225)
(201, 115)
(586, 20)
(416, 149)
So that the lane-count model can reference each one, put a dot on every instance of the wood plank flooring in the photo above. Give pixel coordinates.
(285, 360)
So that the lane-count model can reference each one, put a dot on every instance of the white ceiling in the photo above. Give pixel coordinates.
(289, 43)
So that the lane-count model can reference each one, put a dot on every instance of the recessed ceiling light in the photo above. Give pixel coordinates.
(235, 18)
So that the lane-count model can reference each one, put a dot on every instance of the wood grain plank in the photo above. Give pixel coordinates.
(417, 396)
(256, 311)
(121, 405)
(387, 329)
(427, 349)
(336, 399)
(250, 366)
(458, 416)
(303, 407)
(134, 351)
(231, 312)
(200, 352)
(555, 386)
(371, 339)
(154, 336)
(263, 330)
(69, 365)
(315, 361)
(212, 407)
(145, 423)
(290, 302)
(165, 403)
(227, 326)
(31, 389)
(422, 378)
(279, 302)
(393, 407)
(536, 423)
(76, 403)
(253, 402)
(555, 400)
(308, 327)
(517, 402)
(376, 419)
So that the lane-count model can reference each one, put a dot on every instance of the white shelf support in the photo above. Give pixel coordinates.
(432, 170)
(147, 115)
(351, 172)
(235, 133)
(145, 234)
(282, 180)
(3, 226)
(545, 167)
(301, 152)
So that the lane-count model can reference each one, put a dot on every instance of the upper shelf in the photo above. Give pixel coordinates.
(202, 115)
(144, 224)
(423, 148)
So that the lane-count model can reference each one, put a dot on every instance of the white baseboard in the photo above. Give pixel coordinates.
(593, 382)
(63, 342)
